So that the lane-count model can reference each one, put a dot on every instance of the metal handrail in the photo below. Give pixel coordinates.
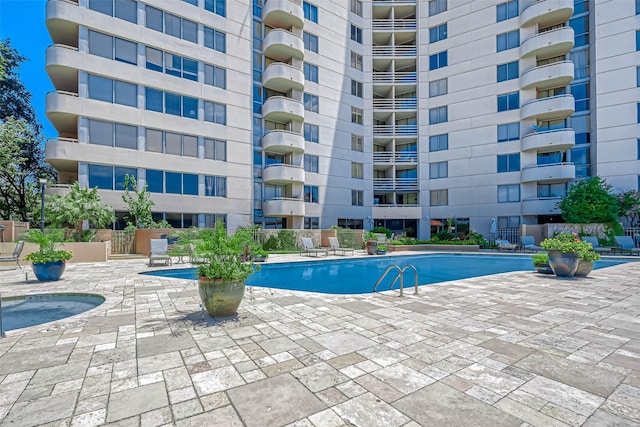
(542, 67)
(400, 276)
(2, 334)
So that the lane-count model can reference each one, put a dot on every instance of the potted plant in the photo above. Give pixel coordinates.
(587, 257)
(48, 263)
(222, 269)
(371, 242)
(381, 249)
(541, 263)
(564, 253)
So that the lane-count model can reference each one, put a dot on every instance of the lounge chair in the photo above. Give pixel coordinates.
(15, 256)
(595, 244)
(625, 244)
(334, 245)
(159, 249)
(529, 244)
(505, 245)
(309, 249)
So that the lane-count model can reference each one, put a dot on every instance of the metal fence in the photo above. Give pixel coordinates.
(510, 234)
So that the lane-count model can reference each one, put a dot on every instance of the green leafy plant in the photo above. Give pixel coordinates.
(381, 248)
(570, 243)
(47, 242)
(370, 236)
(139, 203)
(539, 259)
(590, 201)
(382, 230)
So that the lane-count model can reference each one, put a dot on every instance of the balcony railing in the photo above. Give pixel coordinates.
(394, 50)
(391, 157)
(382, 2)
(395, 104)
(394, 25)
(395, 184)
(390, 130)
(394, 78)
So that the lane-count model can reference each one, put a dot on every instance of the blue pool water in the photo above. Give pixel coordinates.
(29, 310)
(359, 275)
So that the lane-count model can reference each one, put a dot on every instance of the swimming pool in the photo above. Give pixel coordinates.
(359, 275)
(29, 310)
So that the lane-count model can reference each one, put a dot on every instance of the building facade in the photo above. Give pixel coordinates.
(420, 116)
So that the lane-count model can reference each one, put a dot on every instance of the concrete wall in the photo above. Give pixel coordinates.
(82, 251)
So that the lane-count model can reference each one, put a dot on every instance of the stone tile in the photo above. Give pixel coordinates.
(326, 418)
(346, 360)
(449, 407)
(186, 409)
(216, 380)
(403, 378)
(97, 339)
(159, 362)
(258, 404)
(319, 376)
(163, 344)
(367, 410)
(562, 414)
(602, 418)
(378, 387)
(157, 417)
(626, 360)
(497, 382)
(359, 306)
(135, 401)
(57, 374)
(513, 351)
(276, 369)
(383, 355)
(343, 341)
(18, 361)
(10, 392)
(89, 419)
(423, 308)
(277, 345)
(527, 414)
(568, 397)
(111, 322)
(44, 410)
(225, 416)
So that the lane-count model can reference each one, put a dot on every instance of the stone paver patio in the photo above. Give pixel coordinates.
(516, 349)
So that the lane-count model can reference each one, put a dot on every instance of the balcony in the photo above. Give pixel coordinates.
(389, 78)
(548, 76)
(283, 45)
(394, 51)
(395, 104)
(393, 2)
(62, 19)
(283, 77)
(280, 174)
(554, 107)
(395, 184)
(388, 157)
(282, 109)
(545, 13)
(548, 141)
(554, 172)
(62, 64)
(63, 153)
(395, 130)
(549, 43)
(540, 206)
(283, 142)
(62, 109)
(283, 14)
(394, 25)
(397, 211)
(283, 206)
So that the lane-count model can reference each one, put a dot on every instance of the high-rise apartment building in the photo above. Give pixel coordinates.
(308, 114)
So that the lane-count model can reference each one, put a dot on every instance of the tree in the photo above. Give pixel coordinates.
(139, 205)
(15, 99)
(629, 206)
(590, 201)
(71, 210)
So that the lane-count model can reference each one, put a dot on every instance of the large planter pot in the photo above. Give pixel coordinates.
(220, 298)
(372, 245)
(49, 271)
(563, 264)
(584, 268)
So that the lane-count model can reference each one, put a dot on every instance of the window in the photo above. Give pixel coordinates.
(356, 88)
(580, 92)
(310, 163)
(438, 115)
(508, 193)
(171, 143)
(311, 102)
(508, 40)
(356, 60)
(356, 7)
(638, 74)
(356, 115)
(215, 149)
(113, 134)
(508, 222)
(215, 76)
(507, 71)
(507, 10)
(638, 112)
(311, 133)
(113, 48)
(637, 7)
(438, 33)
(552, 190)
(215, 186)
(122, 9)
(310, 72)
(114, 91)
(638, 149)
(356, 34)
(171, 64)
(580, 27)
(356, 170)
(310, 12)
(438, 87)
(311, 223)
(310, 42)
(437, 6)
(439, 142)
(357, 143)
(155, 181)
(438, 60)
(214, 39)
(357, 198)
(214, 112)
(438, 197)
(509, 101)
(311, 193)
(509, 132)
(218, 7)
(172, 25)
(438, 170)
(509, 162)
(109, 177)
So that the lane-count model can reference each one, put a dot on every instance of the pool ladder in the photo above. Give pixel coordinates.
(400, 276)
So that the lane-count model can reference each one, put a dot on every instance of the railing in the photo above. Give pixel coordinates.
(544, 165)
(63, 92)
(396, 104)
(394, 24)
(395, 1)
(546, 99)
(542, 67)
(2, 335)
(537, 131)
(65, 46)
(390, 157)
(123, 242)
(391, 77)
(399, 276)
(396, 205)
(510, 234)
(59, 139)
(293, 199)
(395, 130)
(546, 32)
(394, 50)
(632, 231)
(282, 165)
(395, 184)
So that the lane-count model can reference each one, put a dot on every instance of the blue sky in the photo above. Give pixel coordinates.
(23, 21)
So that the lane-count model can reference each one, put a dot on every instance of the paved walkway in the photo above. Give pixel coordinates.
(517, 349)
